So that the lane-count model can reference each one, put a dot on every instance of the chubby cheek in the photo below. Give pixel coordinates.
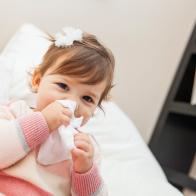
(44, 99)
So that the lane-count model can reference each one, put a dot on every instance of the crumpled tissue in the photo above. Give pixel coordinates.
(59, 144)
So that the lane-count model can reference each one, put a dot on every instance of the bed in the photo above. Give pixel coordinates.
(128, 167)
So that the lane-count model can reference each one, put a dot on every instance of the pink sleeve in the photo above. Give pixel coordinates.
(34, 128)
(20, 136)
(89, 183)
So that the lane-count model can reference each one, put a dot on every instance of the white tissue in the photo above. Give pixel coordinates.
(59, 144)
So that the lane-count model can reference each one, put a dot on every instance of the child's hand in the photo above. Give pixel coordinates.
(56, 115)
(82, 155)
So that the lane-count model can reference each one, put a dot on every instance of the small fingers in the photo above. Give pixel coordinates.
(65, 120)
(67, 112)
(82, 136)
(66, 116)
(79, 153)
(83, 142)
(83, 145)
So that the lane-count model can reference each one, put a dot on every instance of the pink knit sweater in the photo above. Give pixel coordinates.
(21, 133)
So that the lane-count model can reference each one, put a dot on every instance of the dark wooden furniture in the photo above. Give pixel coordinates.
(174, 138)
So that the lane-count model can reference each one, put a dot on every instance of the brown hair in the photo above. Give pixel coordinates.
(88, 59)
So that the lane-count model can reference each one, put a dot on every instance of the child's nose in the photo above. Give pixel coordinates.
(72, 97)
(77, 111)
(76, 99)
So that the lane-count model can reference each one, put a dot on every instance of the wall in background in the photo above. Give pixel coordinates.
(147, 38)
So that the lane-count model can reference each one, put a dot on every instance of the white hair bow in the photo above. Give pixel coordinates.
(67, 37)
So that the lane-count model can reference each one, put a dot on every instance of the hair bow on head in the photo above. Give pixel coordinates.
(67, 37)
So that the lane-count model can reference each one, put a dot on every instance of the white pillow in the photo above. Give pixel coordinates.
(128, 166)
(23, 52)
(6, 66)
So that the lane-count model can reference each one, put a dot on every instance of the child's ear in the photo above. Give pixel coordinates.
(36, 78)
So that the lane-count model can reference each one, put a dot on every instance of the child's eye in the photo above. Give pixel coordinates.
(88, 99)
(63, 86)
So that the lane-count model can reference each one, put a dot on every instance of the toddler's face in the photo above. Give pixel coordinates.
(51, 87)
